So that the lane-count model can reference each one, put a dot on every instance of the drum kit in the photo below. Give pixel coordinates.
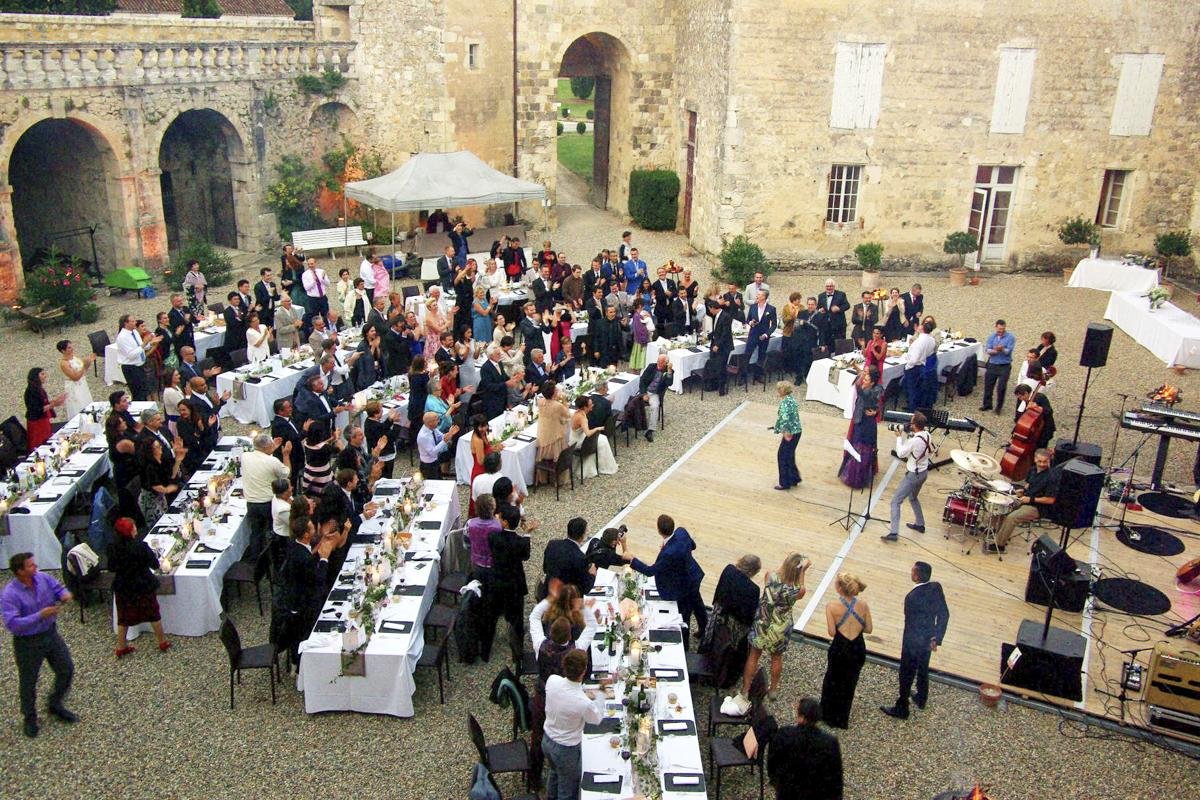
(980, 505)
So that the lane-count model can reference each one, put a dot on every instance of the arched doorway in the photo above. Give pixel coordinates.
(605, 60)
(199, 154)
(331, 124)
(63, 175)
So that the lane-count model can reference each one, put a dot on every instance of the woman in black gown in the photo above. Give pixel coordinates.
(863, 433)
(848, 618)
(894, 320)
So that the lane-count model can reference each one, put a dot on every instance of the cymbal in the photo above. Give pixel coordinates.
(978, 463)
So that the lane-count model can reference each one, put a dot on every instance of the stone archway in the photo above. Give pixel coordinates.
(605, 58)
(64, 179)
(203, 162)
(332, 123)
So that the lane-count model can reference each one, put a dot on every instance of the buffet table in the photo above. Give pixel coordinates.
(1170, 333)
(378, 678)
(819, 388)
(1111, 275)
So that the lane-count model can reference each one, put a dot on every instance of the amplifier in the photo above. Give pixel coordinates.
(1173, 723)
(1174, 682)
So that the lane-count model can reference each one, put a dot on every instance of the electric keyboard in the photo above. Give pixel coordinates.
(934, 421)
(1168, 424)
(1164, 410)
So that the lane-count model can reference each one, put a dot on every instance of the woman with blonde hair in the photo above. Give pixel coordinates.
(787, 425)
(772, 627)
(848, 618)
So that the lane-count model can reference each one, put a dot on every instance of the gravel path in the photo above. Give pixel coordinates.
(157, 725)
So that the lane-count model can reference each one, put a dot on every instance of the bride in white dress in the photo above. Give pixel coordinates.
(74, 370)
(258, 340)
(580, 431)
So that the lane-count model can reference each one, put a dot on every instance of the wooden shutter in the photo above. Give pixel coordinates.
(1014, 83)
(857, 85)
(1137, 93)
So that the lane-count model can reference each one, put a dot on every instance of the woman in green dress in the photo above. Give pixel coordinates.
(787, 425)
(773, 624)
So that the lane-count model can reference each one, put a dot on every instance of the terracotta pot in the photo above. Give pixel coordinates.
(989, 694)
(974, 280)
(1067, 273)
(958, 276)
(870, 280)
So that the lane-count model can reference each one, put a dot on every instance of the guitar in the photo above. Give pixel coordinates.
(1018, 457)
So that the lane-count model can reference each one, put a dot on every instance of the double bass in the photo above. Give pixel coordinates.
(1018, 457)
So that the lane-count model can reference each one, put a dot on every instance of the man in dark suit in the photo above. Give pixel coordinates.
(763, 320)
(445, 351)
(809, 330)
(235, 324)
(445, 269)
(543, 291)
(313, 402)
(564, 560)
(246, 294)
(538, 371)
(514, 260)
(914, 306)
(598, 275)
(720, 346)
(834, 303)
(733, 302)
(925, 619)
(676, 574)
(182, 325)
(601, 407)
(337, 502)
(205, 407)
(803, 761)
(664, 290)
(266, 296)
(493, 384)
(285, 428)
(682, 317)
(510, 551)
(301, 585)
(532, 326)
(606, 340)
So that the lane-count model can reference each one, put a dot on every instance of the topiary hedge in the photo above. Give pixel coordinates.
(654, 198)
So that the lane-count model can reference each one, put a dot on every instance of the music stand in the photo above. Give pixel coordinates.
(847, 520)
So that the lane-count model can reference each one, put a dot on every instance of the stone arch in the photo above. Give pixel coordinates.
(65, 174)
(332, 122)
(206, 180)
(605, 57)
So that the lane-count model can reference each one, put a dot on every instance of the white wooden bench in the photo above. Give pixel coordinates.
(329, 238)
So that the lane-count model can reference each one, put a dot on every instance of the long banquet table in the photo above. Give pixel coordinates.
(253, 402)
(519, 456)
(1170, 333)
(30, 525)
(686, 361)
(1111, 275)
(678, 766)
(206, 339)
(819, 388)
(390, 657)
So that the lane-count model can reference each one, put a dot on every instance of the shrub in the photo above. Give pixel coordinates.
(869, 255)
(1079, 231)
(582, 87)
(292, 197)
(960, 243)
(87, 7)
(591, 114)
(566, 112)
(560, 129)
(327, 83)
(581, 127)
(1173, 244)
(216, 266)
(301, 8)
(201, 9)
(654, 198)
(740, 259)
(88, 313)
(61, 281)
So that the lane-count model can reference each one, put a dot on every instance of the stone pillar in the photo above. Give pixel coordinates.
(245, 201)
(12, 277)
(151, 226)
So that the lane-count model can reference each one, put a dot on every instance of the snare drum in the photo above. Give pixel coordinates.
(999, 504)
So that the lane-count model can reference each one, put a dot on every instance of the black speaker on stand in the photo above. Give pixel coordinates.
(1095, 354)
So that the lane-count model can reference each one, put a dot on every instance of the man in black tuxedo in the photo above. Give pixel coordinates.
(664, 290)
(285, 428)
(810, 327)
(301, 585)
(733, 302)
(247, 297)
(925, 619)
(507, 585)
(597, 276)
(763, 320)
(445, 269)
(601, 406)
(182, 325)
(833, 301)
(313, 402)
(266, 296)
(564, 560)
(538, 371)
(682, 318)
(532, 326)
(607, 341)
(235, 324)
(543, 291)
(914, 307)
(337, 502)
(803, 761)
(720, 346)
(493, 384)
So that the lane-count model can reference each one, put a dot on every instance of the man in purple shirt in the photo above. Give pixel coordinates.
(30, 604)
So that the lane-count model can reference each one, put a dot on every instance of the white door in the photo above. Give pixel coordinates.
(997, 227)
(975, 225)
(991, 206)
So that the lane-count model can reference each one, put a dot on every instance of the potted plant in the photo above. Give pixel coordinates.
(960, 243)
(1171, 245)
(1079, 231)
(870, 256)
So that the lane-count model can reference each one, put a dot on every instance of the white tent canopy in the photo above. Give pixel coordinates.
(442, 180)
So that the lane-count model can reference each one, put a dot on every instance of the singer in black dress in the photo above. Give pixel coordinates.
(849, 620)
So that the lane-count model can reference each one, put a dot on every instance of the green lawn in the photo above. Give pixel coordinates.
(579, 108)
(575, 152)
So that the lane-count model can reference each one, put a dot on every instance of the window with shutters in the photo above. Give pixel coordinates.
(473, 58)
(1137, 92)
(857, 85)
(1111, 195)
(842, 207)
(1014, 83)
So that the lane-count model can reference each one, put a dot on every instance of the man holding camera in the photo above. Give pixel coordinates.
(915, 449)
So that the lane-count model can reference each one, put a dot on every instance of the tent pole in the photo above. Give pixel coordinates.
(393, 243)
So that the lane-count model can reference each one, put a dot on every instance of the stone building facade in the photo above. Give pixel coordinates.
(808, 125)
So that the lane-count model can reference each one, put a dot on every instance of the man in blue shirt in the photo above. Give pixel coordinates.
(30, 605)
(999, 350)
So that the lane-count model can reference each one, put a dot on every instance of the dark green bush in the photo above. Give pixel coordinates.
(560, 129)
(216, 266)
(591, 114)
(740, 259)
(581, 127)
(293, 196)
(582, 87)
(88, 313)
(327, 83)
(201, 9)
(1173, 243)
(59, 282)
(89, 7)
(566, 112)
(960, 243)
(869, 255)
(654, 198)
(1078, 231)
(301, 8)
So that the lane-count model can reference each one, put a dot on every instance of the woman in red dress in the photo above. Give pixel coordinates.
(39, 408)
(875, 350)
(480, 447)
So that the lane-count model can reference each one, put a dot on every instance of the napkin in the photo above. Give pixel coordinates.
(683, 781)
(676, 727)
(601, 782)
(667, 673)
(396, 626)
(652, 594)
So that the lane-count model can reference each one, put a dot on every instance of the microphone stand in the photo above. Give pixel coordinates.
(1112, 455)
(849, 519)
(1123, 695)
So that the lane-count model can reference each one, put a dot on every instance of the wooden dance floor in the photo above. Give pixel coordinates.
(721, 491)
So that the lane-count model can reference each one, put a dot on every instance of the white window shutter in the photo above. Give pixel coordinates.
(1137, 93)
(1014, 83)
(857, 85)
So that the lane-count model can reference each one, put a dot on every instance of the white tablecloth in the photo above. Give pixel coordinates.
(256, 406)
(677, 753)
(519, 457)
(687, 361)
(1170, 333)
(205, 341)
(840, 394)
(1112, 276)
(429, 265)
(34, 532)
(390, 659)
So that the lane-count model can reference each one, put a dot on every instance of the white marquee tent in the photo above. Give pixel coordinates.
(442, 180)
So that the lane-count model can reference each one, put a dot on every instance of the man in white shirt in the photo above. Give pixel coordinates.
(758, 285)
(920, 349)
(281, 520)
(260, 469)
(484, 482)
(366, 271)
(916, 451)
(433, 447)
(131, 355)
(568, 709)
(316, 286)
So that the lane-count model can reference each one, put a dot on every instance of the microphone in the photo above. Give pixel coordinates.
(981, 426)
(1126, 396)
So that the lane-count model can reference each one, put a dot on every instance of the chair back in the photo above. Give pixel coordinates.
(610, 429)
(232, 641)
(892, 393)
(843, 346)
(564, 459)
(738, 363)
(478, 740)
(238, 358)
(216, 308)
(818, 353)
(590, 445)
(205, 364)
(99, 340)
(14, 431)
(262, 564)
(410, 291)
(9, 457)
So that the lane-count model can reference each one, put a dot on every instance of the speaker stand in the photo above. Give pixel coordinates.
(1083, 399)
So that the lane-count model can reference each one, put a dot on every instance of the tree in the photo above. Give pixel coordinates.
(740, 259)
(582, 87)
(869, 255)
(960, 243)
(206, 9)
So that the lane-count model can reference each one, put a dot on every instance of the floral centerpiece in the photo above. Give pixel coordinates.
(1157, 296)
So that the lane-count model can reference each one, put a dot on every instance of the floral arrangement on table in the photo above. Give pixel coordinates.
(254, 369)
(39, 468)
(1139, 260)
(641, 734)
(683, 342)
(1166, 394)
(1157, 296)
